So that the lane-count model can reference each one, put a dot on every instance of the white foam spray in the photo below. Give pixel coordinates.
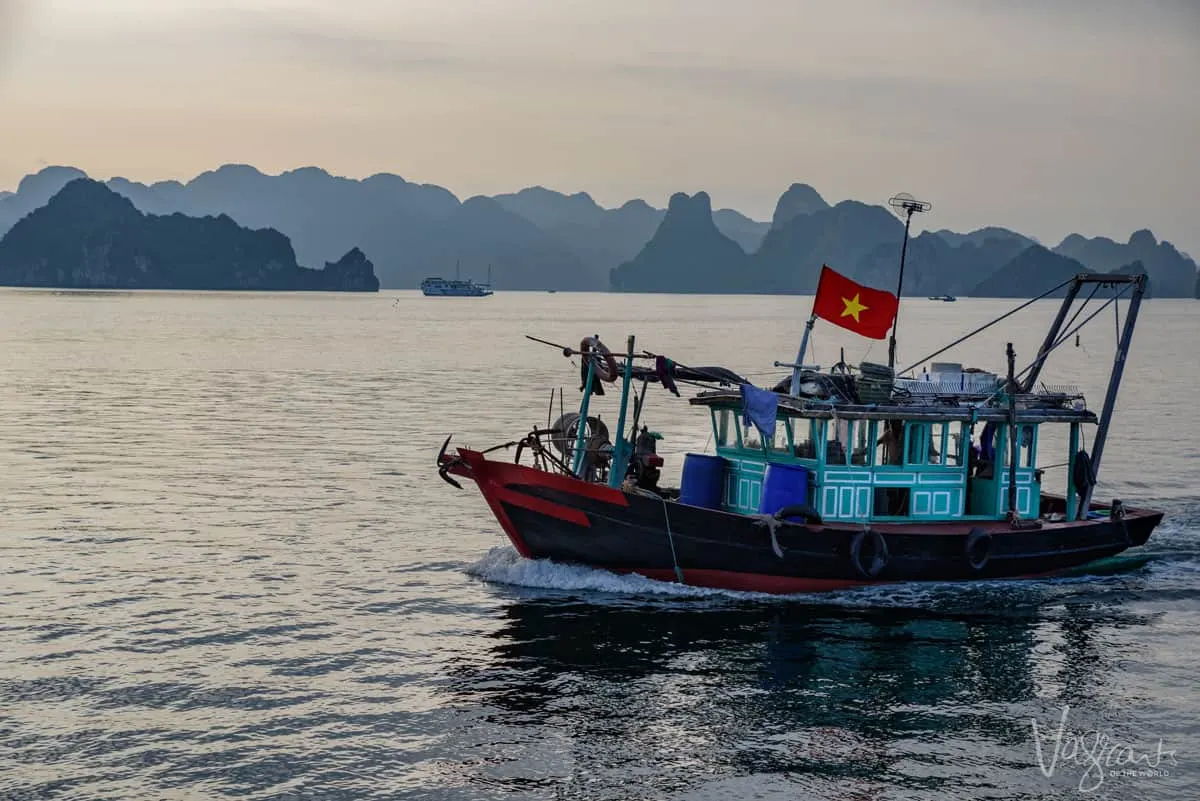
(503, 565)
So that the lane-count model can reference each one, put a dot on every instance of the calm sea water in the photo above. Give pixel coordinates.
(227, 568)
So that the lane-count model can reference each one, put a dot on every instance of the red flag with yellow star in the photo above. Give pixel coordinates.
(859, 308)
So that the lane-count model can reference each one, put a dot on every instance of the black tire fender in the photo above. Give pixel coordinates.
(868, 553)
(977, 549)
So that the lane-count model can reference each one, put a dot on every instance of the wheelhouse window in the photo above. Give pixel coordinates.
(941, 444)
(839, 444)
(863, 431)
(1027, 445)
(750, 437)
(781, 442)
(954, 443)
(930, 444)
(804, 438)
(724, 428)
(916, 439)
(889, 442)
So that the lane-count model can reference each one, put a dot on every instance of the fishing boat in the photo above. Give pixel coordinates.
(455, 288)
(945, 298)
(830, 479)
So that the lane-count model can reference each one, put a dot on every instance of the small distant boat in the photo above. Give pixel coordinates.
(442, 287)
(946, 298)
(437, 286)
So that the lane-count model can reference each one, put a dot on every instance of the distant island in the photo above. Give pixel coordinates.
(89, 237)
(540, 239)
(689, 254)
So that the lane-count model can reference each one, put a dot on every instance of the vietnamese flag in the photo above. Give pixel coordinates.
(865, 311)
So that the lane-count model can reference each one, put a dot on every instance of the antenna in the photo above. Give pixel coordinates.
(905, 205)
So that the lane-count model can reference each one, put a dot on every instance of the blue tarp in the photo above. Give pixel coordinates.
(759, 407)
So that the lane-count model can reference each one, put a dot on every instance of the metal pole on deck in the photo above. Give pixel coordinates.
(620, 456)
(577, 463)
(808, 327)
(1013, 443)
(1110, 397)
(1072, 450)
(906, 205)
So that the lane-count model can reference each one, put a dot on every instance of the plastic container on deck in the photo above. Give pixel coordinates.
(783, 485)
(703, 481)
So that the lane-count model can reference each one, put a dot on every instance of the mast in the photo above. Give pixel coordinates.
(1014, 451)
(1114, 383)
(623, 449)
(906, 205)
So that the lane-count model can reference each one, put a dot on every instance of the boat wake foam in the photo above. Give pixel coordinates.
(503, 565)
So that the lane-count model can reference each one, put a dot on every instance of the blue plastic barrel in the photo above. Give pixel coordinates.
(703, 481)
(783, 485)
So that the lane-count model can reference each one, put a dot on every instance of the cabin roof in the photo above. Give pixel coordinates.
(1030, 409)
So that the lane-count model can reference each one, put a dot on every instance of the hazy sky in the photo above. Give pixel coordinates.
(1046, 116)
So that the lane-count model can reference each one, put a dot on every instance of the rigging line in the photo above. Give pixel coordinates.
(986, 326)
(671, 540)
(1004, 387)
(1090, 317)
(1116, 317)
(1082, 306)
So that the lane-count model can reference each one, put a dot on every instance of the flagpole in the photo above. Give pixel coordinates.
(899, 290)
(906, 203)
(808, 327)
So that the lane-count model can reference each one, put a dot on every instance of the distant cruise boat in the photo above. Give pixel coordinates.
(947, 298)
(456, 288)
